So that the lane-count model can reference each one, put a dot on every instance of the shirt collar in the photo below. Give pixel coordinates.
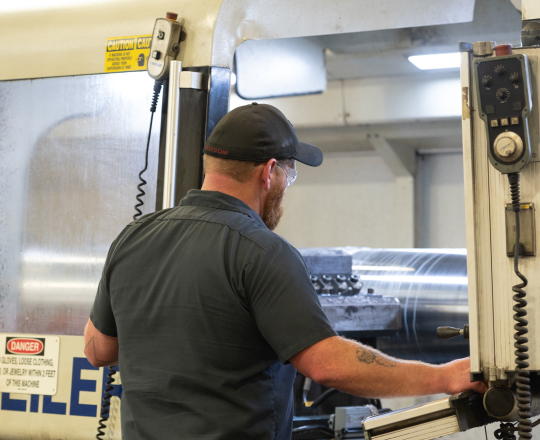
(219, 200)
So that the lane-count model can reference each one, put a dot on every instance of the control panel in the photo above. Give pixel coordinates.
(165, 46)
(504, 103)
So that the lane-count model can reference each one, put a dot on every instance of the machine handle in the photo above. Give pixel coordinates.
(451, 332)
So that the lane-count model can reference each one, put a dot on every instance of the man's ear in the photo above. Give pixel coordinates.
(267, 175)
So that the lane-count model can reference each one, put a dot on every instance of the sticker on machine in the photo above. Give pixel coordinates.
(125, 54)
(29, 364)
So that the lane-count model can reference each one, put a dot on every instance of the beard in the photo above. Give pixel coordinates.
(273, 206)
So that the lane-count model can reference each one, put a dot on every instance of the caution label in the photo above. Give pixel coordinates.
(28, 364)
(123, 54)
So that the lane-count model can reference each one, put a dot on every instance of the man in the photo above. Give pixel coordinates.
(210, 314)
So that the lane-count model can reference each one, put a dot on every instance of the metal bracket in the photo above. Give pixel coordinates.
(193, 80)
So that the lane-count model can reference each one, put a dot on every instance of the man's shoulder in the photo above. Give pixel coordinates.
(268, 240)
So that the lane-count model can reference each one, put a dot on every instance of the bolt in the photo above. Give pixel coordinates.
(534, 155)
(175, 47)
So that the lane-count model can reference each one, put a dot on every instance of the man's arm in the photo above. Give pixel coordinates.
(101, 350)
(363, 371)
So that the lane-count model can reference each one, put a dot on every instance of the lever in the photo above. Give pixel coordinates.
(451, 332)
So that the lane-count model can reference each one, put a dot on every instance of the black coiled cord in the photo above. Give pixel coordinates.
(522, 374)
(505, 432)
(108, 385)
(106, 403)
(140, 202)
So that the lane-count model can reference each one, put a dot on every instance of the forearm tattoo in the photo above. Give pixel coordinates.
(368, 357)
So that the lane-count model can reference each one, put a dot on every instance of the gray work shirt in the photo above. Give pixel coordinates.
(208, 305)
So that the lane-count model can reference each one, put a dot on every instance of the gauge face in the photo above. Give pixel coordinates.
(508, 146)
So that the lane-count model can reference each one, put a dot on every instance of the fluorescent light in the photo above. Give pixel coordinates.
(436, 61)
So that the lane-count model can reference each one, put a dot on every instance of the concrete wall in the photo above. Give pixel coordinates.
(440, 201)
(353, 199)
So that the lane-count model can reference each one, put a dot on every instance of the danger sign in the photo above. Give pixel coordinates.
(26, 346)
(125, 54)
(29, 364)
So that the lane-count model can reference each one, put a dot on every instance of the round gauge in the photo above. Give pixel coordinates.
(508, 146)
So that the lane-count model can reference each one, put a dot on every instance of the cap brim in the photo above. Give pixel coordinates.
(308, 154)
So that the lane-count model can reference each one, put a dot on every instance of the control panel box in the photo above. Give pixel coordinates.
(504, 103)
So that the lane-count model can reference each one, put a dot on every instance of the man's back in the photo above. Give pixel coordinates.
(207, 305)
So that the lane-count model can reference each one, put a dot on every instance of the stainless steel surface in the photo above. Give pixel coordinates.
(70, 152)
(367, 315)
(239, 21)
(281, 67)
(431, 286)
(327, 261)
(173, 124)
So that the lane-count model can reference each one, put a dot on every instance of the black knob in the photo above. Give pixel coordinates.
(502, 95)
(487, 80)
(499, 70)
(514, 77)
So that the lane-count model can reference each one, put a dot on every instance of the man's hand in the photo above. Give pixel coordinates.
(457, 376)
(363, 371)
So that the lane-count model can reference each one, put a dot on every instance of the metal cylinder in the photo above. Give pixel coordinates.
(173, 123)
(432, 288)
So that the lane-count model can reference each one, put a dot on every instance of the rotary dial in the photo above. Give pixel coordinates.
(499, 70)
(487, 80)
(502, 95)
(508, 147)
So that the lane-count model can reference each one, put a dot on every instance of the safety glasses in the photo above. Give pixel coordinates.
(291, 172)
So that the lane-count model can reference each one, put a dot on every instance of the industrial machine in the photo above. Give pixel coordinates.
(403, 296)
(73, 132)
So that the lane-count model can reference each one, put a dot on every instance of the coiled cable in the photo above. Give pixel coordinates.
(106, 403)
(522, 374)
(140, 202)
(141, 193)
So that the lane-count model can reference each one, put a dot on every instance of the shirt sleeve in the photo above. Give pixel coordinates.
(283, 301)
(101, 314)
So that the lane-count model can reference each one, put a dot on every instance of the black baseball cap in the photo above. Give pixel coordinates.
(259, 132)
